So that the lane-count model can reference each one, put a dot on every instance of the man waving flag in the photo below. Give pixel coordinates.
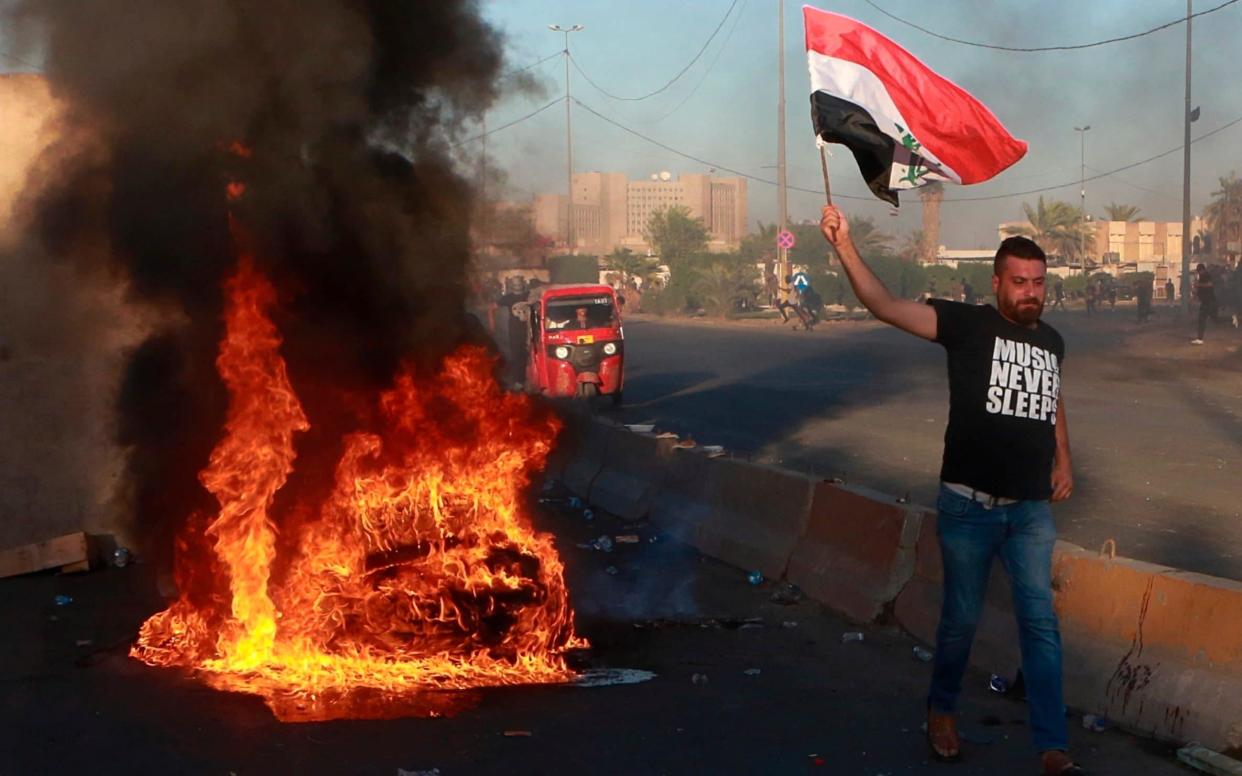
(905, 124)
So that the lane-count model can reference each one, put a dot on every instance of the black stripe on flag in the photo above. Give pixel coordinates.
(841, 121)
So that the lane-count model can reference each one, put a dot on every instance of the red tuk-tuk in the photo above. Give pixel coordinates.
(576, 345)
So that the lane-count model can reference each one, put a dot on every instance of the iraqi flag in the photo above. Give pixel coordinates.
(905, 124)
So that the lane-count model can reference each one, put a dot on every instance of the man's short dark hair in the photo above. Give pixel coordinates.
(1018, 247)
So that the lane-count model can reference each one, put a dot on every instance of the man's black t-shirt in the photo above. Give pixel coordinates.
(1004, 384)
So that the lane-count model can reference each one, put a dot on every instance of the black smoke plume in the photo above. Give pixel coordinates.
(339, 117)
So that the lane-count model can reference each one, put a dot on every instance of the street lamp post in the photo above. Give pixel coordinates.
(782, 196)
(569, 140)
(1082, 178)
(1185, 284)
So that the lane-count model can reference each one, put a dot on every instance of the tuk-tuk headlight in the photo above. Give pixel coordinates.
(562, 352)
(610, 349)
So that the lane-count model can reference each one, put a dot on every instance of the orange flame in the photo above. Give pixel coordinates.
(420, 570)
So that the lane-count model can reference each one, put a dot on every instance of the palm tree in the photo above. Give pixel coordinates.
(912, 246)
(1122, 212)
(868, 238)
(721, 285)
(1224, 212)
(630, 265)
(1059, 227)
(932, 195)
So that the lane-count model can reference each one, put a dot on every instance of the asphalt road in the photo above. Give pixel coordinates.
(1155, 423)
(778, 698)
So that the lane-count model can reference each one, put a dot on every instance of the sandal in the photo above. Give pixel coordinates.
(942, 738)
(1058, 763)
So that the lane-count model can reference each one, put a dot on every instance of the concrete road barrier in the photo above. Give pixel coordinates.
(1157, 650)
(632, 473)
(681, 502)
(756, 514)
(858, 550)
(584, 443)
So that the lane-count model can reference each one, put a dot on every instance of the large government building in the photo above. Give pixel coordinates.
(610, 211)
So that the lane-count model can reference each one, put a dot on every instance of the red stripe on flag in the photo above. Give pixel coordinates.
(950, 123)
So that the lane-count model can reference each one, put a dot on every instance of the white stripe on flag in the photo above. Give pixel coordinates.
(853, 82)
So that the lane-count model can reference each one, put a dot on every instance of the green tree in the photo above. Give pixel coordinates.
(630, 265)
(1117, 212)
(1224, 212)
(675, 234)
(868, 238)
(760, 245)
(1059, 227)
(811, 250)
(911, 248)
(723, 283)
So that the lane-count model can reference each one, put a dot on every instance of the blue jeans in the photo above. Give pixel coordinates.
(1023, 535)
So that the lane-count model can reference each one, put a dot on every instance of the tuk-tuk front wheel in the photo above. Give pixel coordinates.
(588, 390)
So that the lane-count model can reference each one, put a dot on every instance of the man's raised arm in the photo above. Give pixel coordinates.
(914, 317)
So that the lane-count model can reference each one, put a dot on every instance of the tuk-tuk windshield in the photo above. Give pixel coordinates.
(579, 312)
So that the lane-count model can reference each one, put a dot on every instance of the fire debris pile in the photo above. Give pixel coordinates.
(285, 167)
(418, 571)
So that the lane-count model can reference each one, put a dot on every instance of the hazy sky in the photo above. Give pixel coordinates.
(1131, 93)
(723, 110)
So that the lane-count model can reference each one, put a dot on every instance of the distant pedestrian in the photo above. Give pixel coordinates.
(1058, 295)
(796, 288)
(1205, 290)
(1170, 293)
(968, 292)
(1092, 297)
(1235, 287)
(1112, 296)
(772, 287)
(1143, 293)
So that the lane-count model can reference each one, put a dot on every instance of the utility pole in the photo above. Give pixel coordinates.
(1082, 179)
(782, 198)
(569, 141)
(1185, 285)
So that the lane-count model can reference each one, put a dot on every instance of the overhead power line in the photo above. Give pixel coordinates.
(1098, 176)
(771, 182)
(515, 122)
(516, 71)
(18, 60)
(710, 67)
(671, 81)
(1033, 49)
(700, 160)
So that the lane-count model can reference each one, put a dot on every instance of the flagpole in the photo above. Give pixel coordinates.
(823, 165)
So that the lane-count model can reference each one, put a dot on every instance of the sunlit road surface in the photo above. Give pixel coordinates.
(1155, 423)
